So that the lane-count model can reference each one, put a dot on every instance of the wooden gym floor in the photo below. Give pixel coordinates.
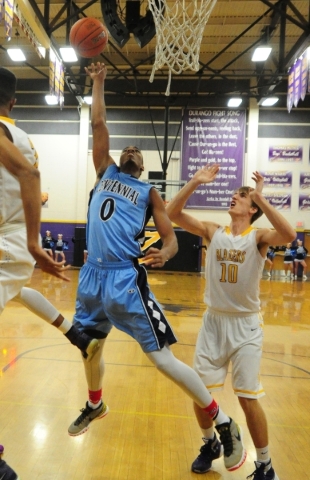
(150, 432)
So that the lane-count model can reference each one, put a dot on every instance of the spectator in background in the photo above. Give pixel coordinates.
(61, 245)
(289, 261)
(301, 254)
(269, 259)
(48, 243)
(6, 472)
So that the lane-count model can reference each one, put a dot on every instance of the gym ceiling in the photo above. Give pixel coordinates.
(234, 29)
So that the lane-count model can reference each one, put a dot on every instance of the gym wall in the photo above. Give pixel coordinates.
(63, 140)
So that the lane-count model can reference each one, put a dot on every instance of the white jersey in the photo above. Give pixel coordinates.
(11, 207)
(233, 271)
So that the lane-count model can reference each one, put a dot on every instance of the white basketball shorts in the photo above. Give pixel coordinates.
(16, 264)
(230, 338)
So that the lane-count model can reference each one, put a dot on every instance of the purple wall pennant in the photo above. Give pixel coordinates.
(304, 202)
(285, 153)
(290, 90)
(280, 201)
(297, 81)
(304, 180)
(277, 179)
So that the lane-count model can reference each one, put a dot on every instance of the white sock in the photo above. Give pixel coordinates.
(221, 417)
(208, 433)
(65, 326)
(262, 455)
(94, 405)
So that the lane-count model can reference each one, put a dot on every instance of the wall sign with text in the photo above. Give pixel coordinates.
(211, 136)
(304, 202)
(285, 153)
(304, 180)
(280, 179)
(280, 201)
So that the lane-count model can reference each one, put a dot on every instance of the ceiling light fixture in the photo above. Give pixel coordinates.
(88, 99)
(261, 54)
(16, 54)
(42, 50)
(268, 101)
(51, 99)
(68, 54)
(234, 102)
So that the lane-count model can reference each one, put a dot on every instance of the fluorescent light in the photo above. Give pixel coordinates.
(68, 54)
(42, 50)
(234, 102)
(51, 99)
(88, 99)
(268, 102)
(16, 54)
(261, 54)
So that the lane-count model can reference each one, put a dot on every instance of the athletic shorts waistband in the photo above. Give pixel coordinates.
(122, 265)
(230, 314)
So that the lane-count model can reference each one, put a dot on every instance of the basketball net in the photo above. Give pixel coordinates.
(179, 31)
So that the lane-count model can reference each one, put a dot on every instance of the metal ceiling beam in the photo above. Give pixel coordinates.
(282, 39)
(268, 31)
(73, 16)
(131, 82)
(296, 12)
(206, 65)
(46, 13)
(234, 41)
(284, 63)
(277, 7)
(50, 26)
(300, 46)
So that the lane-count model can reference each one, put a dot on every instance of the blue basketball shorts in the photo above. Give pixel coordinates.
(117, 294)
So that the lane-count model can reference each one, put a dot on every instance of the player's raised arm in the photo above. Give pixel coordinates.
(176, 205)
(283, 231)
(101, 139)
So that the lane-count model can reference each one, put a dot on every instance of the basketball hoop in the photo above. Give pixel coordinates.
(179, 31)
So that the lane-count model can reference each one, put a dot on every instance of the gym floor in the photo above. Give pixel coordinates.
(150, 432)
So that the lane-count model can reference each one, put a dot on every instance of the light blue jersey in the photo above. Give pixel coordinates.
(117, 216)
(113, 287)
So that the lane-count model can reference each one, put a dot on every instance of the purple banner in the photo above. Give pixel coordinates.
(304, 202)
(277, 179)
(304, 75)
(285, 153)
(297, 81)
(8, 18)
(290, 90)
(280, 201)
(304, 181)
(213, 136)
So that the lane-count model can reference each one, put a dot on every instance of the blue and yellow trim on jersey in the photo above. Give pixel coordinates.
(243, 234)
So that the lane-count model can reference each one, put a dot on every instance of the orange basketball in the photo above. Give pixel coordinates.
(88, 37)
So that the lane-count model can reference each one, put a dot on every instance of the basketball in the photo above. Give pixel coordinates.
(88, 37)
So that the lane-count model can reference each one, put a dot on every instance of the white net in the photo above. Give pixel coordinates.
(179, 31)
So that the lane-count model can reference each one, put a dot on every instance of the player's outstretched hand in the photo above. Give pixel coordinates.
(259, 180)
(48, 265)
(96, 70)
(155, 258)
(207, 174)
